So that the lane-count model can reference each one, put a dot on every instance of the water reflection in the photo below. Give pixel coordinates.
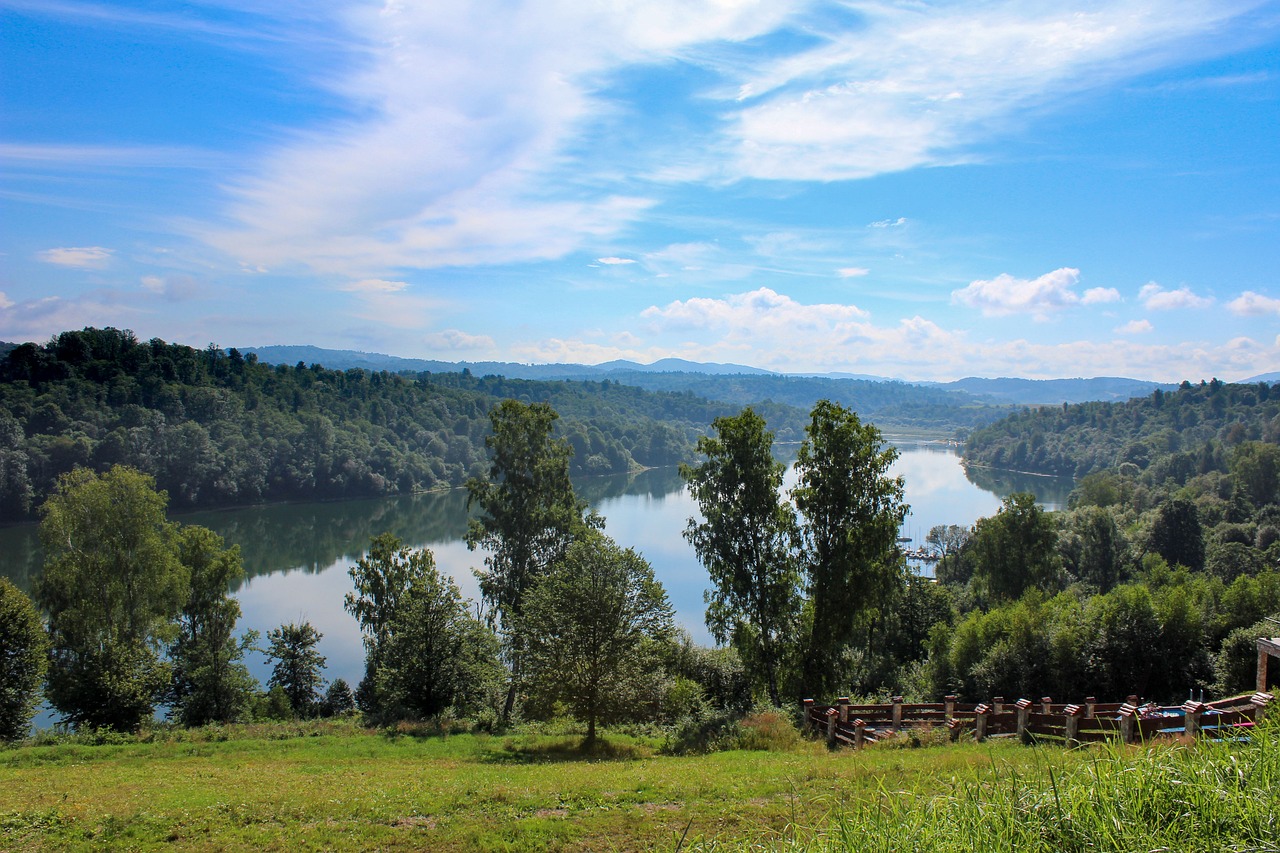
(296, 555)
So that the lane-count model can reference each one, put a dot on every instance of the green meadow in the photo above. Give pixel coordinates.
(337, 786)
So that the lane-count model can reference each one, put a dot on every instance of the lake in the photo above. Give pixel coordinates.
(296, 556)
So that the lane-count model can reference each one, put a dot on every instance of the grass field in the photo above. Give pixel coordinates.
(333, 786)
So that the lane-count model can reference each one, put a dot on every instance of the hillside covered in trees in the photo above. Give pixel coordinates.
(1186, 431)
(216, 427)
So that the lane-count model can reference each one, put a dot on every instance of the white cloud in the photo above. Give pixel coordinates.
(615, 261)
(1099, 296)
(852, 272)
(1135, 327)
(454, 340)
(1250, 304)
(80, 257)
(374, 285)
(755, 315)
(1005, 294)
(918, 84)
(5, 301)
(889, 223)
(175, 288)
(1156, 298)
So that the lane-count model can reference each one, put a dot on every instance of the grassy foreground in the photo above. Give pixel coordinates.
(333, 786)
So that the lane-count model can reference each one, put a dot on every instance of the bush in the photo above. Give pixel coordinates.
(770, 731)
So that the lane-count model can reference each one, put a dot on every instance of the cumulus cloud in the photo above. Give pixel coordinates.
(454, 340)
(1156, 298)
(1005, 294)
(1135, 327)
(1099, 296)
(760, 312)
(852, 272)
(1250, 304)
(79, 257)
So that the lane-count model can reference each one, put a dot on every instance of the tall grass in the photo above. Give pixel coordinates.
(1202, 796)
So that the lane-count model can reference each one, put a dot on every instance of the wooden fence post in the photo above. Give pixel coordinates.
(1260, 701)
(997, 705)
(843, 703)
(808, 716)
(1128, 716)
(1192, 710)
(1090, 702)
(1072, 713)
(1024, 711)
(980, 722)
(949, 705)
(832, 716)
(859, 732)
(1045, 705)
(897, 712)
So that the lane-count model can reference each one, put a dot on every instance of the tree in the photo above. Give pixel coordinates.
(529, 514)
(1092, 546)
(381, 579)
(1015, 549)
(852, 511)
(211, 684)
(589, 625)
(746, 542)
(338, 699)
(436, 655)
(23, 659)
(298, 665)
(112, 586)
(1177, 535)
(947, 539)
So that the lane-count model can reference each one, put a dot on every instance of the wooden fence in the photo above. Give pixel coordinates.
(1091, 721)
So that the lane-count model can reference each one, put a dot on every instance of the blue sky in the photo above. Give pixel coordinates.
(908, 189)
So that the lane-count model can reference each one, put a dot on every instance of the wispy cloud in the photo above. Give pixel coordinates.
(613, 262)
(852, 272)
(1135, 327)
(928, 84)
(453, 340)
(79, 257)
(1156, 298)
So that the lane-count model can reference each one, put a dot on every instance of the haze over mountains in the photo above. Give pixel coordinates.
(697, 375)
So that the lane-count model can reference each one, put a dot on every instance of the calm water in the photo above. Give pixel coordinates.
(296, 556)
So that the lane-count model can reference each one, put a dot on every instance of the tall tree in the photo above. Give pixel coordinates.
(436, 655)
(589, 624)
(528, 514)
(381, 579)
(1015, 549)
(211, 684)
(23, 659)
(1177, 535)
(852, 511)
(297, 666)
(112, 586)
(947, 539)
(746, 542)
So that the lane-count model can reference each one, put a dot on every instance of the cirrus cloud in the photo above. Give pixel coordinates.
(78, 257)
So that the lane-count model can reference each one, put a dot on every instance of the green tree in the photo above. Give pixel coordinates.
(528, 515)
(112, 586)
(297, 666)
(1093, 547)
(1177, 535)
(1015, 549)
(23, 659)
(745, 541)
(210, 684)
(591, 625)
(436, 655)
(381, 579)
(947, 539)
(852, 511)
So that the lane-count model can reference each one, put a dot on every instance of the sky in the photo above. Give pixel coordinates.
(917, 190)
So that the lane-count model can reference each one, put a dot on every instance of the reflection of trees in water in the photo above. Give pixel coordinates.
(1052, 492)
(313, 537)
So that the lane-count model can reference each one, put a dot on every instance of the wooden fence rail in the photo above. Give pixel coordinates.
(1072, 724)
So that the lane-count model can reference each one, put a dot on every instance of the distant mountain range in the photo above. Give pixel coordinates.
(998, 391)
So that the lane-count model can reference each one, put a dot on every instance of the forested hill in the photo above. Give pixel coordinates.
(1184, 431)
(215, 427)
